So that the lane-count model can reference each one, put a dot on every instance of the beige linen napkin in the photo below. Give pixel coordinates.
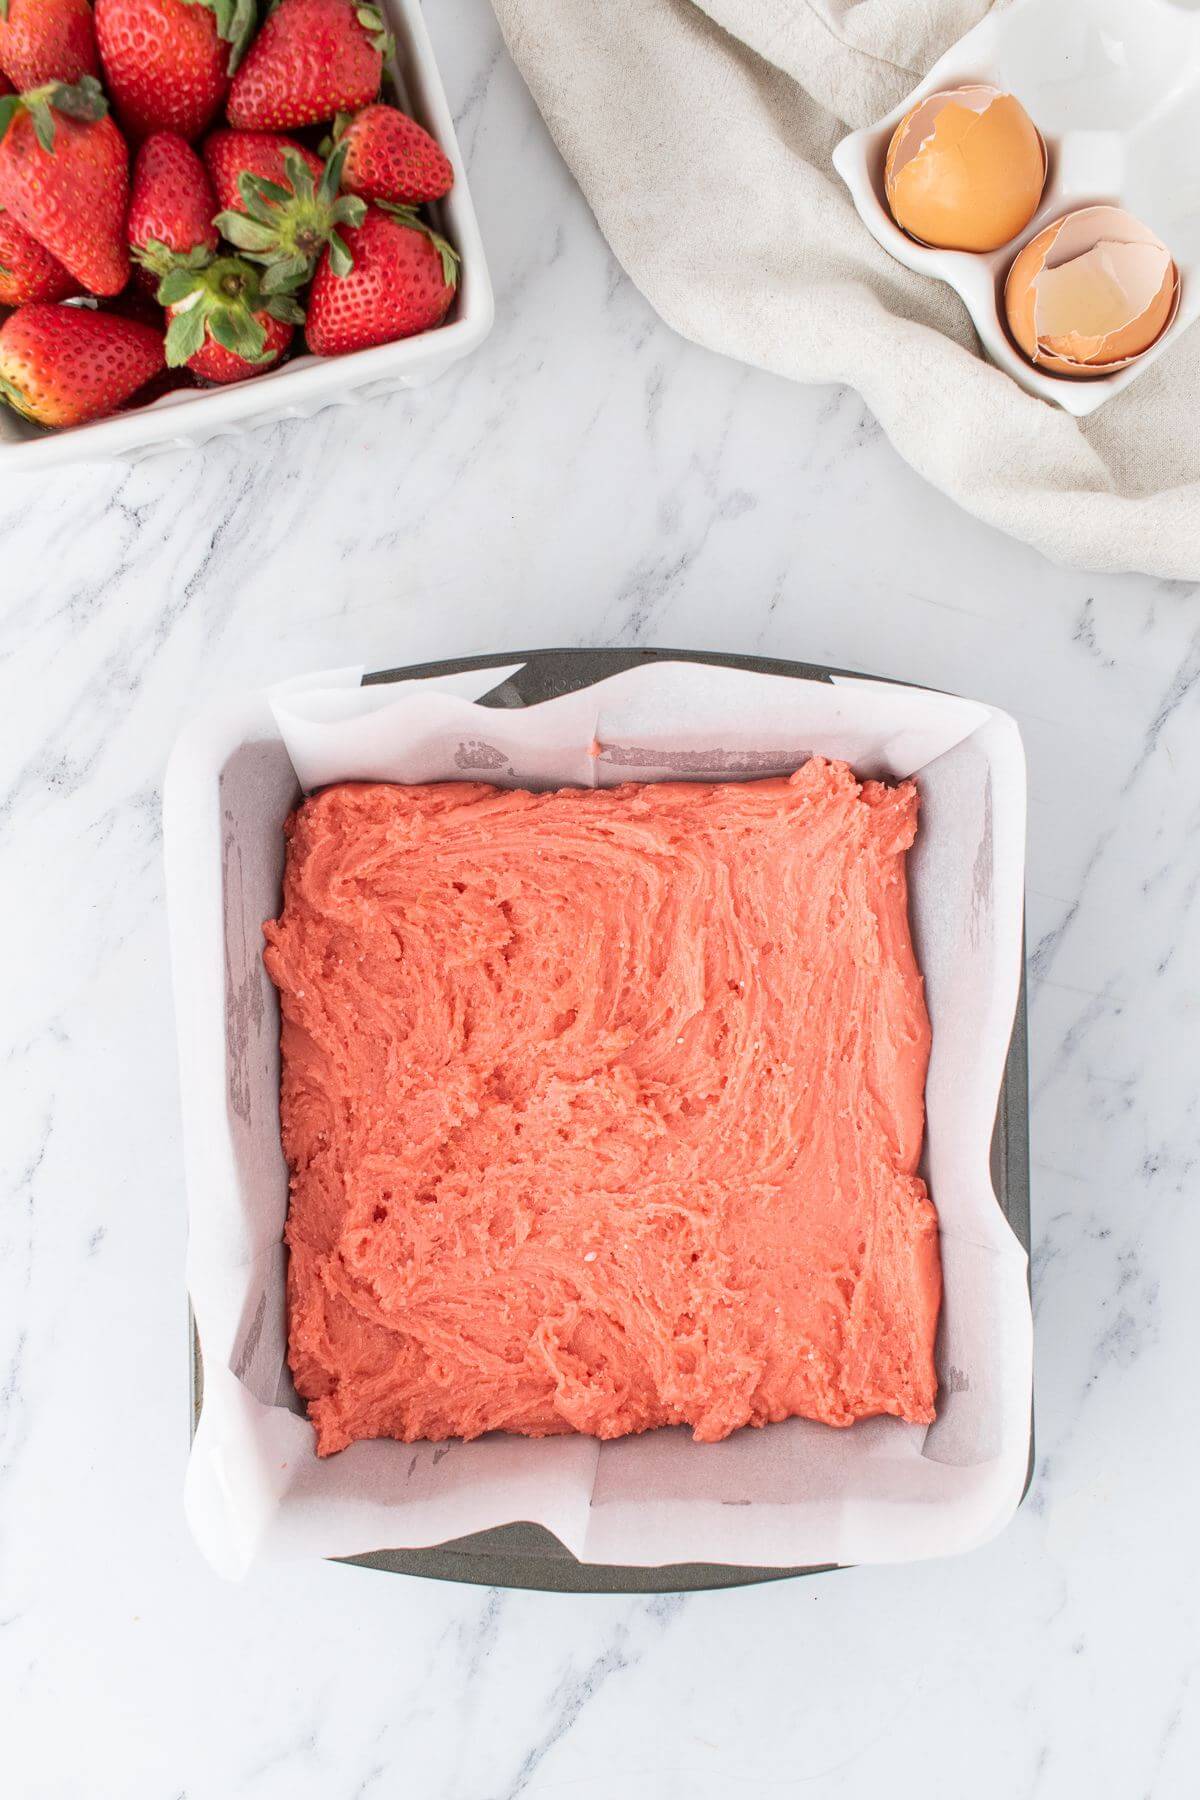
(701, 137)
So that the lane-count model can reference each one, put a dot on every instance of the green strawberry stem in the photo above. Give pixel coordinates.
(179, 262)
(236, 21)
(83, 100)
(158, 258)
(285, 228)
(408, 215)
(371, 20)
(338, 127)
(218, 298)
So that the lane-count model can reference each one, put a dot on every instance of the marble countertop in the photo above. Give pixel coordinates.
(587, 478)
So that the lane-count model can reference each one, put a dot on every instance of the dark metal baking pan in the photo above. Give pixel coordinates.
(526, 1555)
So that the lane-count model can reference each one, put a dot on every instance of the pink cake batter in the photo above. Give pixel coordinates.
(603, 1109)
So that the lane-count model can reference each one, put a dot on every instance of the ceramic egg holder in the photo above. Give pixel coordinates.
(1114, 88)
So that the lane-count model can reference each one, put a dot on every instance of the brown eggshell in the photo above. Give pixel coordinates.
(1091, 293)
(965, 169)
(1020, 295)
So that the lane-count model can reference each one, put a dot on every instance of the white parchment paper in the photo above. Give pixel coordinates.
(793, 1493)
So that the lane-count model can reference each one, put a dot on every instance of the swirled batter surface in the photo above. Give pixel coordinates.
(603, 1109)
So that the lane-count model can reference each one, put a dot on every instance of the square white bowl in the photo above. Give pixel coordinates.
(189, 418)
(1114, 87)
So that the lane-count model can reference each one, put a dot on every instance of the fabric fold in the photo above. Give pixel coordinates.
(701, 138)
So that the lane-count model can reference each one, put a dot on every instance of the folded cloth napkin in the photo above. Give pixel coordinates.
(701, 136)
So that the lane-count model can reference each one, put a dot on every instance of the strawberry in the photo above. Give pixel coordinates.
(402, 282)
(215, 366)
(171, 205)
(228, 155)
(46, 40)
(27, 272)
(286, 227)
(60, 365)
(64, 176)
(167, 62)
(220, 323)
(311, 59)
(390, 157)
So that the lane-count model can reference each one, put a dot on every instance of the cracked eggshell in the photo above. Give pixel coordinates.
(1091, 293)
(965, 169)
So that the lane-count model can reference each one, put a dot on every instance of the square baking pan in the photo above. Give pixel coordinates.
(303, 386)
(525, 1555)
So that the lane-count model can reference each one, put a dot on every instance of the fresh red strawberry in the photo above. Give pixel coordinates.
(402, 282)
(64, 176)
(390, 157)
(6, 86)
(27, 272)
(286, 226)
(60, 365)
(221, 324)
(171, 204)
(46, 40)
(218, 366)
(311, 59)
(228, 155)
(167, 63)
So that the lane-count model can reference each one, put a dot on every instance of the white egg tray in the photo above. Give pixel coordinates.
(190, 417)
(1114, 88)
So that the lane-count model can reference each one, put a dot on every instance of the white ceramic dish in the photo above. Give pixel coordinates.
(300, 388)
(1114, 86)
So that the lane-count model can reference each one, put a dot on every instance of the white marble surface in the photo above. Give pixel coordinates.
(588, 478)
